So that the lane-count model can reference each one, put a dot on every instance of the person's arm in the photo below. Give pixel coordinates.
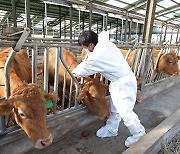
(85, 68)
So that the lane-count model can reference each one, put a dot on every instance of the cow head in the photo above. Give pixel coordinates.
(93, 94)
(28, 103)
(168, 63)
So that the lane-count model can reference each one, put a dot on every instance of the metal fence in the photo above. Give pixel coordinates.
(39, 48)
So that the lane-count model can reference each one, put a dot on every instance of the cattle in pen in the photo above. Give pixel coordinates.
(93, 92)
(166, 62)
(27, 102)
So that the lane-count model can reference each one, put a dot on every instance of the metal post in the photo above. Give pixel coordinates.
(117, 30)
(147, 34)
(165, 32)
(122, 21)
(34, 65)
(46, 70)
(13, 3)
(149, 21)
(83, 21)
(27, 12)
(60, 22)
(177, 34)
(70, 14)
(103, 19)
(130, 27)
(106, 22)
(161, 33)
(79, 11)
(64, 26)
(171, 35)
(56, 76)
(126, 26)
(46, 21)
(90, 15)
(97, 27)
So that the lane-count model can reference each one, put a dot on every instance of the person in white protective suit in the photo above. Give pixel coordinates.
(105, 58)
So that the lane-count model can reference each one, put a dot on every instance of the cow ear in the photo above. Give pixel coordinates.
(106, 87)
(83, 93)
(51, 97)
(5, 107)
(178, 57)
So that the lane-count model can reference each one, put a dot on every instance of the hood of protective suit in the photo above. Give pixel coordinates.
(103, 36)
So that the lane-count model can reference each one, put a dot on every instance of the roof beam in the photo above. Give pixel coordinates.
(167, 10)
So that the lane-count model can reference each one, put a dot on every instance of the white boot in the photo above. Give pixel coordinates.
(133, 139)
(111, 127)
(136, 136)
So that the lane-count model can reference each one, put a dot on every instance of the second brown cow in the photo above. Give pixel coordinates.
(93, 92)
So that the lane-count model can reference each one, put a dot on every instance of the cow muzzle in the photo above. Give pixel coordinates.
(43, 143)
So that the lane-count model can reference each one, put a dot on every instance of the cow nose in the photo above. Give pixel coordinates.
(177, 73)
(42, 143)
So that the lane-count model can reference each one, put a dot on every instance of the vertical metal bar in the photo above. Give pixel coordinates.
(64, 26)
(46, 69)
(149, 21)
(74, 79)
(130, 27)
(106, 22)
(27, 12)
(43, 28)
(34, 65)
(122, 29)
(60, 22)
(147, 34)
(70, 93)
(171, 36)
(161, 33)
(79, 20)
(136, 28)
(46, 20)
(90, 15)
(165, 32)
(7, 86)
(177, 34)
(117, 29)
(64, 90)
(139, 35)
(70, 14)
(97, 27)
(126, 26)
(103, 19)
(83, 21)
(7, 72)
(13, 3)
(56, 76)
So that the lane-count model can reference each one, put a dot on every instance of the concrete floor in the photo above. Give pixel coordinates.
(151, 113)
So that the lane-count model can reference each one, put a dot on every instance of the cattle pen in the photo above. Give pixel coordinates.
(150, 44)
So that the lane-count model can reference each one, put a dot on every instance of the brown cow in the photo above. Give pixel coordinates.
(167, 62)
(27, 102)
(93, 93)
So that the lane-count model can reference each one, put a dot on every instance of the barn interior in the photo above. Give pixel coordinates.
(140, 26)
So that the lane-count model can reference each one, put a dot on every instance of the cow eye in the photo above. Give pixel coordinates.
(94, 98)
(22, 115)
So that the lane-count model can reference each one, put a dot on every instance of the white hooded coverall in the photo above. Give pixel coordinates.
(107, 59)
